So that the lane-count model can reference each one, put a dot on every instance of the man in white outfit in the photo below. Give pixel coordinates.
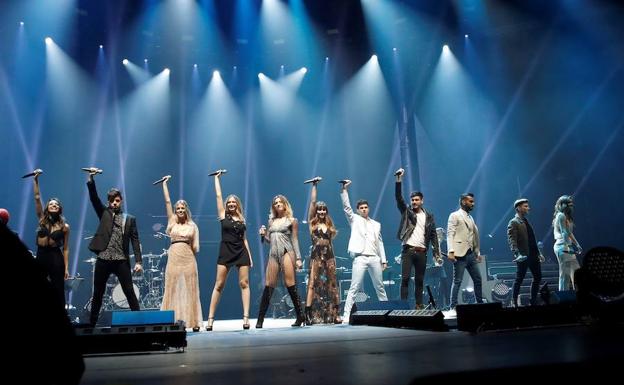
(365, 247)
(462, 238)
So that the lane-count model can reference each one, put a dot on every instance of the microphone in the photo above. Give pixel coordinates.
(159, 181)
(37, 171)
(316, 179)
(399, 172)
(92, 169)
(344, 181)
(223, 171)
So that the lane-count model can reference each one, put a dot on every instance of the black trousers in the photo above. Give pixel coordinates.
(410, 257)
(103, 270)
(51, 260)
(533, 264)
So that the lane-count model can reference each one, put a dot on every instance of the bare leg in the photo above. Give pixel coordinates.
(222, 272)
(243, 282)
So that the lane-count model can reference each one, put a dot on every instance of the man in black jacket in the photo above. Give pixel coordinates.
(111, 243)
(416, 232)
(523, 245)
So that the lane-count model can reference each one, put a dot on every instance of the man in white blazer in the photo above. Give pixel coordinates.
(462, 237)
(365, 247)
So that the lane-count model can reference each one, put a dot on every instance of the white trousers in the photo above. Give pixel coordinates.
(362, 263)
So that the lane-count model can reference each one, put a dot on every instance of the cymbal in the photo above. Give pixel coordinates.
(90, 260)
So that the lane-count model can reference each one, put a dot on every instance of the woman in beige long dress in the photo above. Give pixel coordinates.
(181, 278)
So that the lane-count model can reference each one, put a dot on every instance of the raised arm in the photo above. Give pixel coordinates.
(37, 192)
(220, 207)
(168, 206)
(311, 209)
(398, 194)
(97, 204)
(346, 205)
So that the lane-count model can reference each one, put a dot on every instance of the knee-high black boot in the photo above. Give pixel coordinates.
(264, 305)
(292, 290)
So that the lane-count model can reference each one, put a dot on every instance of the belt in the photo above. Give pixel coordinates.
(187, 242)
(415, 248)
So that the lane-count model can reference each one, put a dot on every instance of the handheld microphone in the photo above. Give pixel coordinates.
(159, 181)
(399, 172)
(344, 181)
(223, 171)
(37, 171)
(92, 169)
(316, 179)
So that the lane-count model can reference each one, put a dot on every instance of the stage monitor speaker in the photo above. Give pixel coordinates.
(474, 317)
(131, 338)
(143, 317)
(396, 314)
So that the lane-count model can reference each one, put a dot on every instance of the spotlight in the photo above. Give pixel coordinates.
(125, 61)
(394, 49)
(101, 46)
(282, 66)
(48, 40)
(21, 23)
(195, 65)
(260, 75)
(466, 36)
(374, 57)
(445, 48)
(145, 60)
(216, 73)
(304, 70)
(326, 58)
(234, 67)
(166, 71)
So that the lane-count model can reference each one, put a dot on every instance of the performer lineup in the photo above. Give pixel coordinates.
(417, 232)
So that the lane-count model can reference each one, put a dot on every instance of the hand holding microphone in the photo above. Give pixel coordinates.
(345, 183)
(35, 173)
(163, 179)
(92, 170)
(314, 180)
(218, 172)
(399, 172)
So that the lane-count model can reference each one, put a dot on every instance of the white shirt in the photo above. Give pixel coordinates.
(370, 238)
(418, 235)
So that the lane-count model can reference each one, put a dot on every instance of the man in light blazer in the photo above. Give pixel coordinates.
(365, 247)
(462, 237)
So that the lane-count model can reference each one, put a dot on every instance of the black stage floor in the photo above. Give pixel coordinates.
(343, 354)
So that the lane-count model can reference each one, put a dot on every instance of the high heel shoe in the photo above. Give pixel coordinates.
(209, 326)
(294, 296)
(196, 329)
(245, 324)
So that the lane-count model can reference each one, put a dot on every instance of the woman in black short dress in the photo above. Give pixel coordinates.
(234, 251)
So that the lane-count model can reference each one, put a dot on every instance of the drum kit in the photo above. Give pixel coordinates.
(148, 285)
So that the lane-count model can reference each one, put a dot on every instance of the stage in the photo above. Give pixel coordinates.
(344, 354)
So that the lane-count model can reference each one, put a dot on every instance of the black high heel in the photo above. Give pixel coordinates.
(245, 324)
(196, 329)
(209, 326)
(300, 321)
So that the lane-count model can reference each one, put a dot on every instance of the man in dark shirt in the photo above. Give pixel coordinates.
(111, 243)
(523, 245)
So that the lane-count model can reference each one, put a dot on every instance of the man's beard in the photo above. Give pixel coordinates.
(467, 208)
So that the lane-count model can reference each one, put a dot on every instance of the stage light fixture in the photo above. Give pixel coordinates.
(195, 65)
(21, 23)
(167, 71)
(216, 73)
(145, 60)
(260, 75)
(125, 61)
(48, 40)
(466, 36)
(101, 46)
(445, 47)
(304, 70)
(374, 57)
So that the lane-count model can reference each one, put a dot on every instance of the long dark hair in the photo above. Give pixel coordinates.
(48, 220)
(315, 221)
(563, 206)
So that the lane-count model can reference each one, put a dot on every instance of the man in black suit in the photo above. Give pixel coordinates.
(111, 243)
(416, 232)
(523, 245)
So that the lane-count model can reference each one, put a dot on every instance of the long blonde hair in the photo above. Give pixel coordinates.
(287, 208)
(239, 207)
(187, 209)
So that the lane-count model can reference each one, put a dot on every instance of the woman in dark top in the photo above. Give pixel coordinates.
(234, 251)
(323, 299)
(52, 240)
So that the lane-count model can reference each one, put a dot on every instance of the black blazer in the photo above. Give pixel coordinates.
(408, 223)
(518, 237)
(102, 236)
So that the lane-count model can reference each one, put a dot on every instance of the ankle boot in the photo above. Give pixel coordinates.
(308, 315)
(294, 296)
(264, 305)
